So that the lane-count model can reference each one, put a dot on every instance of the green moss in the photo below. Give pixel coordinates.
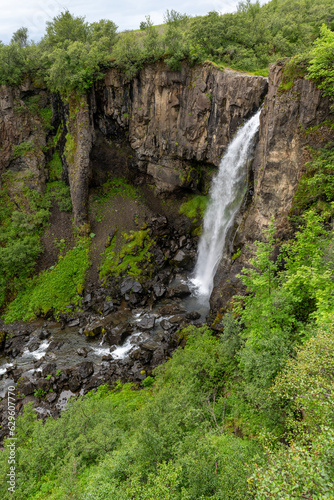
(22, 149)
(195, 206)
(134, 255)
(60, 191)
(69, 148)
(53, 289)
(294, 69)
(316, 187)
(55, 167)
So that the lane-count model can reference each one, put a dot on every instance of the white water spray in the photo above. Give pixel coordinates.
(226, 195)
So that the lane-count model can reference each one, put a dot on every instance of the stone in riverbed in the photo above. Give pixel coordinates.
(146, 323)
(181, 290)
(82, 351)
(85, 369)
(93, 329)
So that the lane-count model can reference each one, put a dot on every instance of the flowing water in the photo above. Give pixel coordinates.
(226, 195)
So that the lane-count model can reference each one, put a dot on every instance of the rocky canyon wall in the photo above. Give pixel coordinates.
(292, 121)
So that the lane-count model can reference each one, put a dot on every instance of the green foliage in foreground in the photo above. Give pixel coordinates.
(52, 290)
(166, 442)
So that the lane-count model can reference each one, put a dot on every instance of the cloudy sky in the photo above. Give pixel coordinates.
(127, 14)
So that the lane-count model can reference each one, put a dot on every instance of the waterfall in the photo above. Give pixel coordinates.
(226, 195)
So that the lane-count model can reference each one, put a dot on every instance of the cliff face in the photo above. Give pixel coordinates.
(176, 121)
(22, 137)
(165, 128)
(291, 121)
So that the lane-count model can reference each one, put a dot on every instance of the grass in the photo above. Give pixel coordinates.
(55, 167)
(53, 289)
(132, 257)
(195, 207)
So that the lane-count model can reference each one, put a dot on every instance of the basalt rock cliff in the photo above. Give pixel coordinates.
(291, 122)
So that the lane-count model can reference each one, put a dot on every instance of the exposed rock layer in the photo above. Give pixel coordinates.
(290, 122)
(177, 120)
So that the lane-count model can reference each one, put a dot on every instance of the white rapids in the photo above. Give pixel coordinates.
(226, 195)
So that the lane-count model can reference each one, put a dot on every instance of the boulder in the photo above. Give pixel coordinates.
(117, 335)
(181, 290)
(85, 369)
(93, 329)
(146, 323)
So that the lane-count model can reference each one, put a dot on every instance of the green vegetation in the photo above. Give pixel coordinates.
(316, 187)
(163, 442)
(22, 149)
(321, 65)
(22, 217)
(194, 207)
(116, 186)
(74, 53)
(52, 290)
(132, 257)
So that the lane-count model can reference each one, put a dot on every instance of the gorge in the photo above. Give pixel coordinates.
(163, 230)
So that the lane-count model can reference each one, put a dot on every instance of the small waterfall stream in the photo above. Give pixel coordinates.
(226, 195)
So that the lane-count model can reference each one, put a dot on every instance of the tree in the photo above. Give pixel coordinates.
(104, 32)
(64, 29)
(20, 37)
(321, 68)
(152, 41)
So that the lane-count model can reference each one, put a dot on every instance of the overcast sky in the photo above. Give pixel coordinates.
(127, 14)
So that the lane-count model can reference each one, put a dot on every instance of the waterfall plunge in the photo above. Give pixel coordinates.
(226, 195)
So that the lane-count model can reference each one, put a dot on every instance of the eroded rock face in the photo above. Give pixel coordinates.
(176, 121)
(20, 127)
(279, 160)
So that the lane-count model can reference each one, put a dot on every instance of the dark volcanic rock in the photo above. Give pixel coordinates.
(85, 369)
(118, 334)
(181, 290)
(146, 323)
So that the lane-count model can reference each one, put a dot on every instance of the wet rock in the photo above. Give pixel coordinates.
(117, 335)
(25, 387)
(42, 384)
(85, 369)
(74, 322)
(108, 307)
(49, 369)
(182, 259)
(82, 351)
(42, 333)
(34, 345)
(193, 315)
(51, 397)
(137, 287)
(74, 383)
(126, 286)
(158, 356)
(182, 241)
(181, 290)
(159, 290)
(165, 324)
(149, 345)
(87, 298)
(55, 345)
(107, 357)
(178, 319)
(170, 309)
(146, 323)
(93, 329)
